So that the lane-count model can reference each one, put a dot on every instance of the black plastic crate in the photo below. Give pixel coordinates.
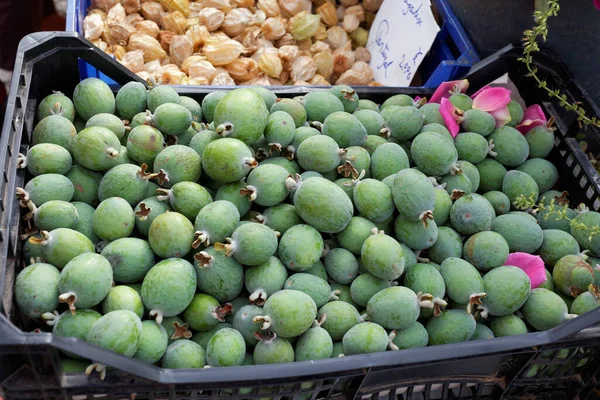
(561, 363)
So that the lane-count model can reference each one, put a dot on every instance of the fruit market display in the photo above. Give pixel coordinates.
(249, 229)
(237, 42)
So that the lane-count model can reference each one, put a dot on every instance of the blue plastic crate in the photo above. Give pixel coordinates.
(450, 57)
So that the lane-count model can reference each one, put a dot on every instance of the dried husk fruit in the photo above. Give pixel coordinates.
(182, 6)
(269, 7)
(324, 63)
(101, 44)
(133, 18)
(121, 31)
(360, 74)
(151, 67)
(202, 69)
(174, 22)
(198, 35)
(165, 38)
(149, 45)
(131, 6)
(348, 3)
(152, 11)
(319, 80)
(119, 51)
(337, 37)
(319, 46)
(222, 5)
(304, 25)
(180, 49)
(223, 79)
(273, 28)
(133, 60)
(350, 23)
(244, 3)
(224, 52)
(289, 8)
(372, 5)
(288, 52)
(148, 27)
(170, 74)
(362, 54)
(103, 5)
(270, 64)
(343, 58)
(93, 25)
(286, 40)
(328, 14)
(194, 58)
(303, 69)
(144, 75)
(243, 69)
(116, 14)
(211, 17)
(236, 21)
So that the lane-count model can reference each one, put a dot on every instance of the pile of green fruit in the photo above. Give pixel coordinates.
(250, 229)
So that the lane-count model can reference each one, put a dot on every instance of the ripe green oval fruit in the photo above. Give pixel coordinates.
(402, 122)
(433, 154)
(56, 103)
(171, 235)
(281, 217)
(75, 325)
(388, 159)
(144, 143)
(293, 107)
(96, 148)
(396, 307)
(127, 181)
(227, 160)
(520, 232)
(187, 198)
(218, 275)
(204, 312)
(226, 348)
(47, 187)
(354, 235)
(542, 171)
(441, 209)
(431, 112)
(580, 229)
(482, 332)
(499, 201)
(572, 275)
(264, 280)
(314, 344)
(161, 94)
(341, 265)
(119, 331)
(209, 103)
(471, 172)
(320, 104)
(85, 281)
(111, 210)
(184, 354)
(202, 338)
(319, 153)
(55, 214)
(366, 337)
(541, 141)
(55, 129)
(492, 174)
(448, 244)
(280, 130)
(123, 298)
(193, 106)
(92, 96)
(340, 317)
(478, 121)
(131, 99)
(146, 211)
(413, 194)
(153, 343)
(417, 235)
(171, 118)
(371, 120)
(130, 258)
(366, 286)
(557, 244)
(47, 158)
(507, 288)
(463, 282)
(266, 185)
(452, 326)
(62, 245)
(345, 129)
(108, 121)
(275, 350)
(36, 289)
(471, 214)
(438, 128)
(347, 96)
(508, 325)
(177, 163)
(243, 323)
(517, 184)
(457, 183)
(373, 142)
(251, 244)
(586, 301)
(383, 257)
(510, 146)
(373, 199)
(545, 309)
(415, 336)
(471, 147)
(486, 250)
(317, 288)
(425, 278)
(241, 114)
(215, 222)
(85, 184)
(288, 313)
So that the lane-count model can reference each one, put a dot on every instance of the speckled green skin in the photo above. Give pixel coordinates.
(373, 142)
(542, 171)
(320, 104)
(188, 198)
(113, 219)
(153, 343)
(355, 234)
(48, 187)
(366, 286)
(319, 153)
(226, 348)
(123, 181)
(414, 234)
(544, 309)
(341, 265)
(486, 250)
(180, 164)
(344, 292)
(462, 280)
(448, 244)
(457, 182)
(268, 277)
(508, 325)
(243, 323)
(253, 243)
(317, 288)
(275, 351)
(184, 354)
(85, 184)
(291, 312)
(366, 337)
(323, 205)
(225, 160)
(358, 157)
(280, 128)
(202, 338)
(478, 121)
(482, 332)
(119, 331)
(347, 96)
(510, 145)
(585, 302)
(223, 278)
(218, 220)
(201, 139)
(246, 111)
(34, 250)
(517, 183)
(471, 147)
(541, 141)
(507, 290)
(499, 201)
(48, 158)
(371, 120)
(398, 100)
(441, 209)
(156, 208)
(452, 326)
(394, 307)
(171, 235)
(373, 200)
(318, 269)
(268, 96)
(492, 174)
(438, 128)
(77, 326)
(193, 107)
(231, 193)
(96, 148)
(36, 289)
(368, 105)
(199, 312)
(172, 119)
(92, 96)
(548, 283)
(403, 122)
(415, 336)
(281, 217)
(56, 130)
(431, 112)
(520, 232)
(413, 193)
(293, 107)
(209, 103)
(160, 95)
(46, 106)
(169, 287)
(131, 259)
(425, 278)
(383, 257)
(144, 143)
(108, 121)
(516, 113)
(131, 99)
(123, 298)
(65, 244)
(556, 245)
(572, 275)
(89, 276)
(269, 182)
(471, 214)
(471, 172)
(55, 214)
(589, 219)
(341, 317)
(433, 154)
(291, 166)
(314, 344)
(552, 221)
(461, 100)
(345, 129)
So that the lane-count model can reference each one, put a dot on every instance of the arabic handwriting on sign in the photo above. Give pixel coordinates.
(419, 53)
(405, 67)
(382, 31)
(410, 9)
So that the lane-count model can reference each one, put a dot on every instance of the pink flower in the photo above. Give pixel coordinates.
(452, 116)
(532, 265)
(532, 117)
(493, 100)
(597, 4)
(447, 89)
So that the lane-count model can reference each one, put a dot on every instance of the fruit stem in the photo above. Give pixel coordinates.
(425, 300)
(51, 318)
(21, 161)
(317, 125)
(70, 298)
(334, 295)
(163, 194)
(348, 170)
(249, 191)
(266, 336)
(100, 368)
(457, 194)
(229, 247)
(385, 132)
(491, 151)
(204, 259)
(438, 304)
(23, 196)
(425, 217)
(475, 299)
(144, 211)
(220, 312)
(391, 344)
(225, 129)
(157, 315)
(293, 182)
(258, 297)
(289, 152)
(265, 319)
(43, 240)
(181, 331)
(571, 316)
(257, 217)
(273, 147)
(250, 163)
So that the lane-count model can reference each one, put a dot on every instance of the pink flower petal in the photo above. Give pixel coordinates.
(486, 87)
(597, 4)
(446, 89)
(532, 117)
(448, 111)
(527, 125)
(492, 99)
(532, 265)
(502, 116)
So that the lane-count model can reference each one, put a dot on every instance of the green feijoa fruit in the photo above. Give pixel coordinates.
(202, 338)
(55, 214)
(346, 184)
(280, 130)
(580, 229)
(177, 164)
(319, 153)
(36, 289)
(201, 139)
(464, 284)
(508, 325)
(291, 166)
(425, 278)
(215, 222)
(413, 194)
(146, 211)
(540, 140)
(226, 348)
(109, 121)
(510, 146)
(345, 129)
(441, 209)
(317, 288)
(300, 247)
(172, 119)
(266, 185)
(320, 104)
(507, 288)
(123, 298)
(367, 105)
(268, 96)
(288, 313)
(292, 107)
(373, 142)
(366, 286)
(341, 292)
(520, 232)
(519, 186)
(471, 214)
(542, 171)
(545, 309)
(556, 245)
(462, 101)
(46, 187)
(144, 143)
(110, 211)
(355, 234)
(153, 344)
(56, 104)
(451, 326)
(33, 250)
(318, 270)
(455, 184)
(486, 250)
(184, 354)
(160, 95)
(227, 160)
(85, 281)
(373, 199)
(482, 332)
(383, 257)
(127, 181)
(176, 328)
(171, 235)
(548, 283)
(273, 350)
(398, 100)
(193, 107)
(572, 275)
(322, 204)
(438, 128)
(231, 192)
(340, 317)
(205, 312)
(187, 198)
(388, 159)
(47, 158)
(397, 307)
(491, 173)
(371, 120)
(131, 99)
(516, 113)
(586, 301)
(402, 122)
(357, 158)
(209, 103)
(471, 172)
(85, 184)
(250, 244)
(130, 258)
(119, 331)
(341, 266)
(499, 201)
(243, 323)
(218, 275)
(471, 147)
(551, 220)
(264, 280)
(347, 96)
(448, 244)
(96, 148)
(433, 154)
(366, 337)
(417, 235)
(415, 336)
(62, 245)
(314, 344)
(168, 288)
(241, 114)
(280, 217)
(92, 96)
(478, 121)
(431, 112)
(55, 129)
(76, 325)
(300, 135)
